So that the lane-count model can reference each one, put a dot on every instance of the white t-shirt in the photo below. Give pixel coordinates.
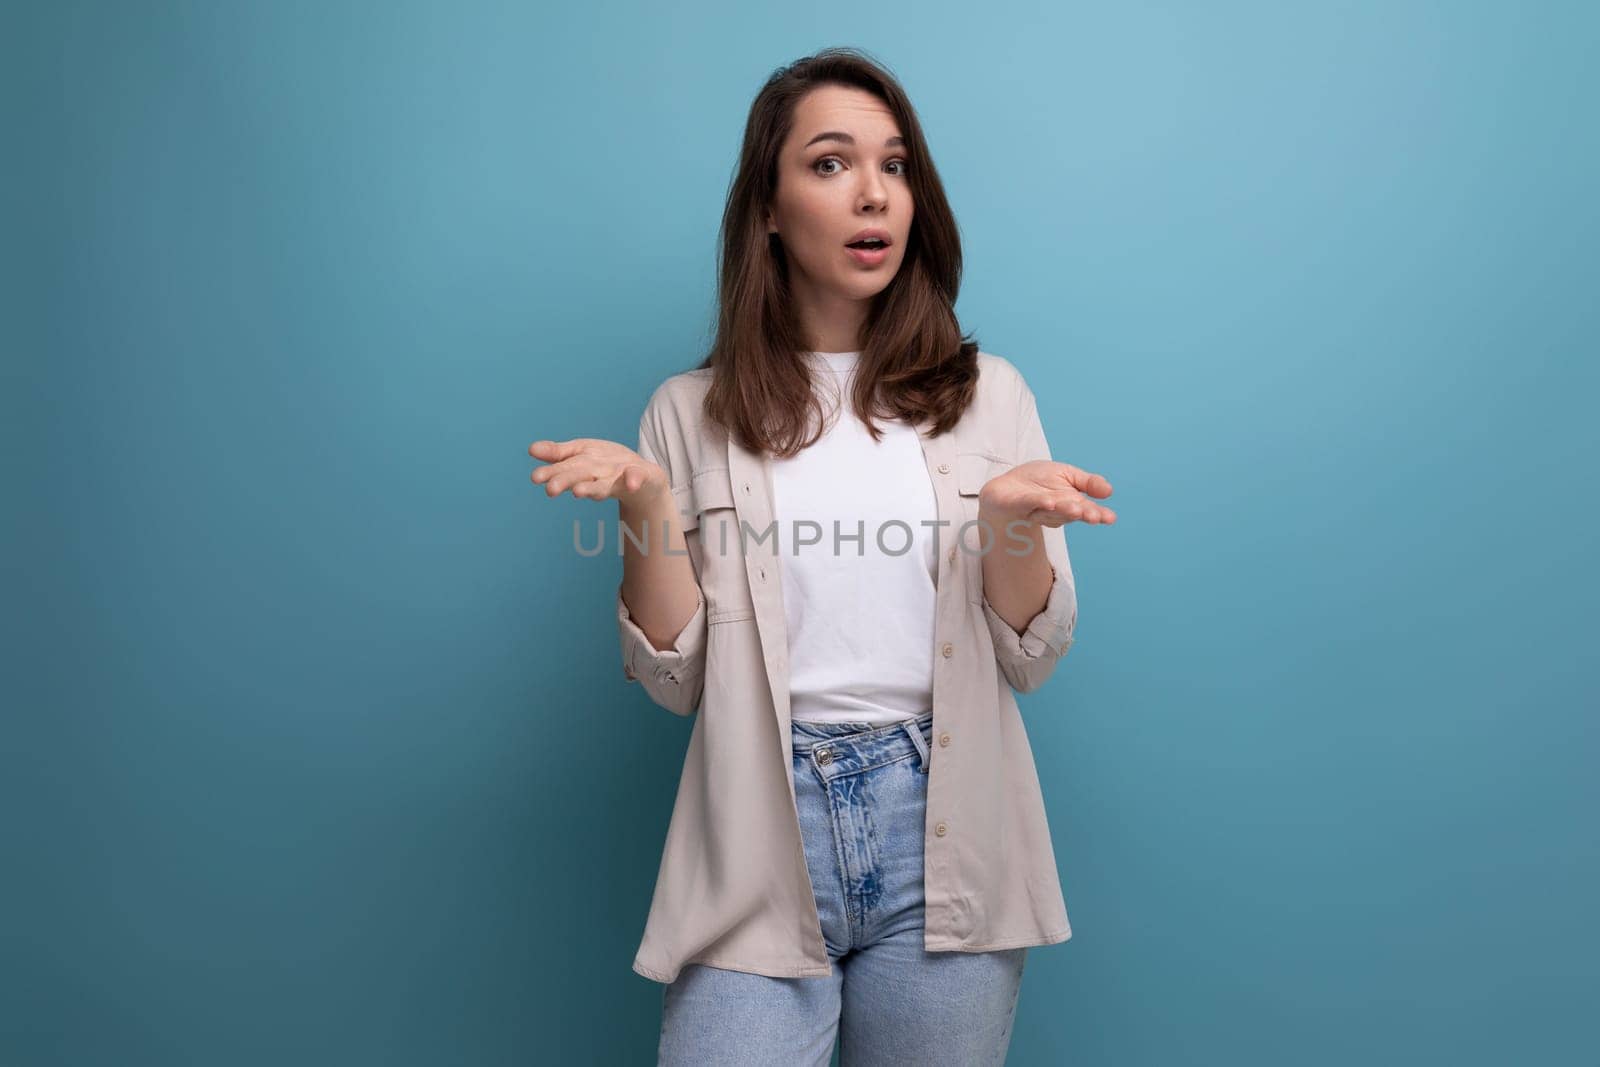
(860, 619)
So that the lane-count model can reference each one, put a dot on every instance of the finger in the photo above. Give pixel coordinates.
(564, 469)
(556, 451)
(570, 474)
(1069, 505)
(1085, 481)
(557, 486)
(1099, 516)
(1073, 507)
(592, 489)
(1082, 480)
(634, 477)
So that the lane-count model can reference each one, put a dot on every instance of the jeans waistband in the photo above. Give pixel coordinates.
(840, 748)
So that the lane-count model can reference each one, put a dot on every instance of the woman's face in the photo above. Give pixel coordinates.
(842, 170)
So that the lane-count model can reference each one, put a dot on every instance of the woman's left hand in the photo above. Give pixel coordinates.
(1045, 493)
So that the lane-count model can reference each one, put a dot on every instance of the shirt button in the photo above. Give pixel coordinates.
(948, 650)
(952, 555)
(944, 740)
(940, 829)
(944, 468)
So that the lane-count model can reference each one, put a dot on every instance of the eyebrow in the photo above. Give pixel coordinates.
(845, 138)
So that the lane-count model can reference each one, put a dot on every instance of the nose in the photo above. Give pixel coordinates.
(874, 194)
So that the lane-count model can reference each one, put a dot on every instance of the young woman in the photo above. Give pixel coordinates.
(844, 549)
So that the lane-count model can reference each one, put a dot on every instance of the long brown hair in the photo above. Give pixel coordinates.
(914, 361)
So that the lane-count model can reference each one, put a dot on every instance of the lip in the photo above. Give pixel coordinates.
(872, 231)
(869, 257)
(866, 257)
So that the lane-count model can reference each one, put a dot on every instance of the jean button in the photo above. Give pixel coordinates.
(824, 757)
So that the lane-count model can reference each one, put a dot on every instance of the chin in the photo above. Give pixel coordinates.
(862, 292)
(865, 287)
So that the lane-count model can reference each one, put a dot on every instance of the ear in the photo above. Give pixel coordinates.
(770, 227)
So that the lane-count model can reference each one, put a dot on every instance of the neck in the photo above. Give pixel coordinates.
(830, 322)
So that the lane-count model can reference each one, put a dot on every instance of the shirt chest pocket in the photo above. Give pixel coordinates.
(974, 470)
(711, 533)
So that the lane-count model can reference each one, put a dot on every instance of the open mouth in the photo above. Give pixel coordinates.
(871, 244)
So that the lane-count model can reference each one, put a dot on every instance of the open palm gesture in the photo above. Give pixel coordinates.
(1046, 493)
(595, 469)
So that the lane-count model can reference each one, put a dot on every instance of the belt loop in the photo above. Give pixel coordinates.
(915, 731)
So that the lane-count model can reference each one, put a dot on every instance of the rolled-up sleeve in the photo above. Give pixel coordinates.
(1027, 659)
(673, 677)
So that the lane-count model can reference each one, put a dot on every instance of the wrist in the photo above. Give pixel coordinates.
(1012, 534)
(999, 521)
(652, 502)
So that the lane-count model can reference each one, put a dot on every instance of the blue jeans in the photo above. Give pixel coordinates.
(862, 792)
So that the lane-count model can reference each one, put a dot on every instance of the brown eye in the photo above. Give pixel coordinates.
(820, 162)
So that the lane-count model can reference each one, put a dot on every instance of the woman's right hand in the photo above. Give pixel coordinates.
(596, 469)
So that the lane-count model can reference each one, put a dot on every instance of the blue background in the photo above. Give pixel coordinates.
(317, 747)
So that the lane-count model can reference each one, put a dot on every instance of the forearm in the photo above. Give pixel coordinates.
(1016, 586)
(659, 587)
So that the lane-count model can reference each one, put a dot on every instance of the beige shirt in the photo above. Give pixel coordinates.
(733, 890)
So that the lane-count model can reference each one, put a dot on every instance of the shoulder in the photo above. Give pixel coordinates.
(999, 376)
(1002, 393)
(677, 401)
(673, 426)
(686, 390)
(1000, 407)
